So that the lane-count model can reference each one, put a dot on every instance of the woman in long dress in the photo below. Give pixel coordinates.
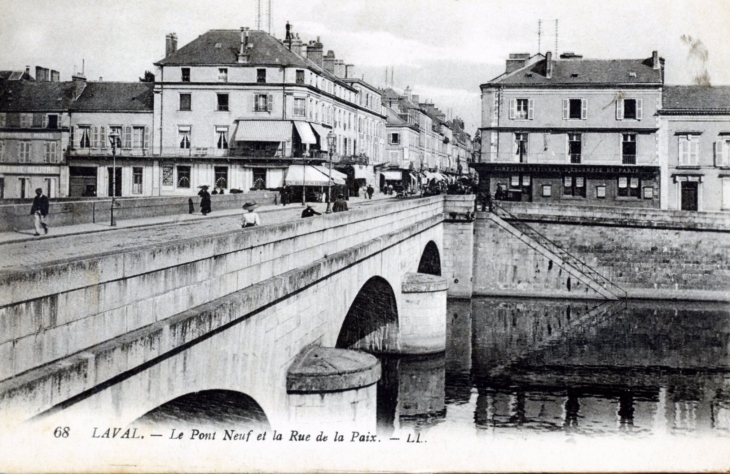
(204, 200)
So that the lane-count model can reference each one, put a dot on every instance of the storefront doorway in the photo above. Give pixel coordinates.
(689, 195)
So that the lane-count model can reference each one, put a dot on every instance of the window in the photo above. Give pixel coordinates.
(574, 186)
(221, 177)
(183, 137)
(185, 74)
(575, 109)
(300, 76)
(394, 138)
(138, 138)
(49, 152)
(722, 160)
(689, 146)
(127, 143)
(185, 102)
(52, 121)
(520, 109)
(574, 147)
(629, 186)
(648, 192)
(183, 176)
(263, 102)
(26, 120)
(629, 109)
(260, 75)
(136, 180)
(84, 137)
(222, 102)
(601, 191)
(24, 152)
(221, 138)
(521, 147)
(223, 74)
(547, 190)
(299, 110)
(628, 149)
(168, 172)
(116, 129)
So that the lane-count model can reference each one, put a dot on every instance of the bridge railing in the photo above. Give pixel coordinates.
(566, 256)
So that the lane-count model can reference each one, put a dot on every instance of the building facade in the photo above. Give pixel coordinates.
(573, 130)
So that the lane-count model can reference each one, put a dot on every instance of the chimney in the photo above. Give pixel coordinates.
(415, 99)
(516, 61)
(39, 73)
(170, 44)
(296, 45)
(655, 59)
(244, 52)
(549, 65)
(339, 68)
(55, 76)
(79, 82)
(329, 61)
(101, 78)
(174, 42)
(314, 52)
(347, 70)
(27, 70)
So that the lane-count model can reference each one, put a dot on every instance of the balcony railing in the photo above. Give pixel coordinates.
(108, 151)
(628, 159)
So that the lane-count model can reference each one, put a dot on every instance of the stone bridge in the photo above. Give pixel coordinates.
(272, 313)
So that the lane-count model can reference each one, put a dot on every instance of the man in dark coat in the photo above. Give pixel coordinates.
(205, 208)
(284, 196)
(370, 191)
(340, 204)
(39, 211)
(309, 212)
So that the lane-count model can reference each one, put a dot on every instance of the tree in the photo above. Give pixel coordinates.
(148, 77)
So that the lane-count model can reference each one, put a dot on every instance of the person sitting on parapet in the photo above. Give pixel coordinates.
(309, 212)
(340, 204)
(250, 218)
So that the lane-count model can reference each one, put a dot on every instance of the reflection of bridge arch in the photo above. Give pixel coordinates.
(207, 408)
(430, 260)
(372, 320)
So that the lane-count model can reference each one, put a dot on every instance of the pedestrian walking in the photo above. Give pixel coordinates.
(370, 191)
(39, 211)
(191, 206)
(284, 196)
(250, 218)
(340, 204)
(205, 207)
(309, 212)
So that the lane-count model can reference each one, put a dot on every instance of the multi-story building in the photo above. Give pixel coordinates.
(124, 110)
(34, 132)
(234, 109)
(695, 148)
(573, 130)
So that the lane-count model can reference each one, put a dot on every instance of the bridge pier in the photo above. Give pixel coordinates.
(423, 314)
(333, 387)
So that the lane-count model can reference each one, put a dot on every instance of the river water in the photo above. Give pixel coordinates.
(522, 367)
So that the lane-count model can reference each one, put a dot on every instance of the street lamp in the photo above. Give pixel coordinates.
(331, 143)
(113, 139)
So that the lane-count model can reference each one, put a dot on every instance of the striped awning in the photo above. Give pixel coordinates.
(308, 175)
(322, 132)
(337, 176)
(263, 131)
(305, 132)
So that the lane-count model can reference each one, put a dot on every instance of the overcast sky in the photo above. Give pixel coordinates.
(443, 49)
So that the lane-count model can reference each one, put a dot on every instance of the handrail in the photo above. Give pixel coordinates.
(574, 261)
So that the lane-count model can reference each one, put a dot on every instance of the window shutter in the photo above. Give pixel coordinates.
(719, 153)
(639, 109)
(146, 144)
(45, 121)
(95, 138)
(583, 109)
(531, 109)
(619, 109)
(269, 102)
(566, 109)
(694, 151)
(512, 107)
(253, 102)
(75, 136)
(683, 150)
(102, 137)
(127, 137)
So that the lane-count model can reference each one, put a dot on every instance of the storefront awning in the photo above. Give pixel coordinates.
(393, 175)
(263, 131)
(305, 132)
(337, 176)
(322, 132)
(361, 171)
(307, 175)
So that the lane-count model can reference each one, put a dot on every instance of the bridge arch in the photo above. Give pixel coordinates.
(209, 408)
(371, 323)
(430, 260)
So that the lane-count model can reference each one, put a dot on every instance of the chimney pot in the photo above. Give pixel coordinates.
(655, 59)
(549, 65)
(516, 61)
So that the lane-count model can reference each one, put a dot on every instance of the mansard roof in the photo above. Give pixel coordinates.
(116, 97)
(577, 72)
(695, 99)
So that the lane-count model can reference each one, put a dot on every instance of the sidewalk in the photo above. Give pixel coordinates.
(104, 226)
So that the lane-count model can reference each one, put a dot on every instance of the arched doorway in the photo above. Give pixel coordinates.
(430, 260)
(371, 323)
(209, 408)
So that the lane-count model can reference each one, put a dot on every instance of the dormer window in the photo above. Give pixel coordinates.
(575, 74)
(185, 71)
(260, 75)
(632, 74)
(223, 74)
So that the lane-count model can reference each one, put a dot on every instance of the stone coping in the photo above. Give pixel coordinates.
(423, 283)
(327, 369)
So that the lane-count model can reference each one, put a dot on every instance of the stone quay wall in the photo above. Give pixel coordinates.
(16, 216)
(650, 253)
